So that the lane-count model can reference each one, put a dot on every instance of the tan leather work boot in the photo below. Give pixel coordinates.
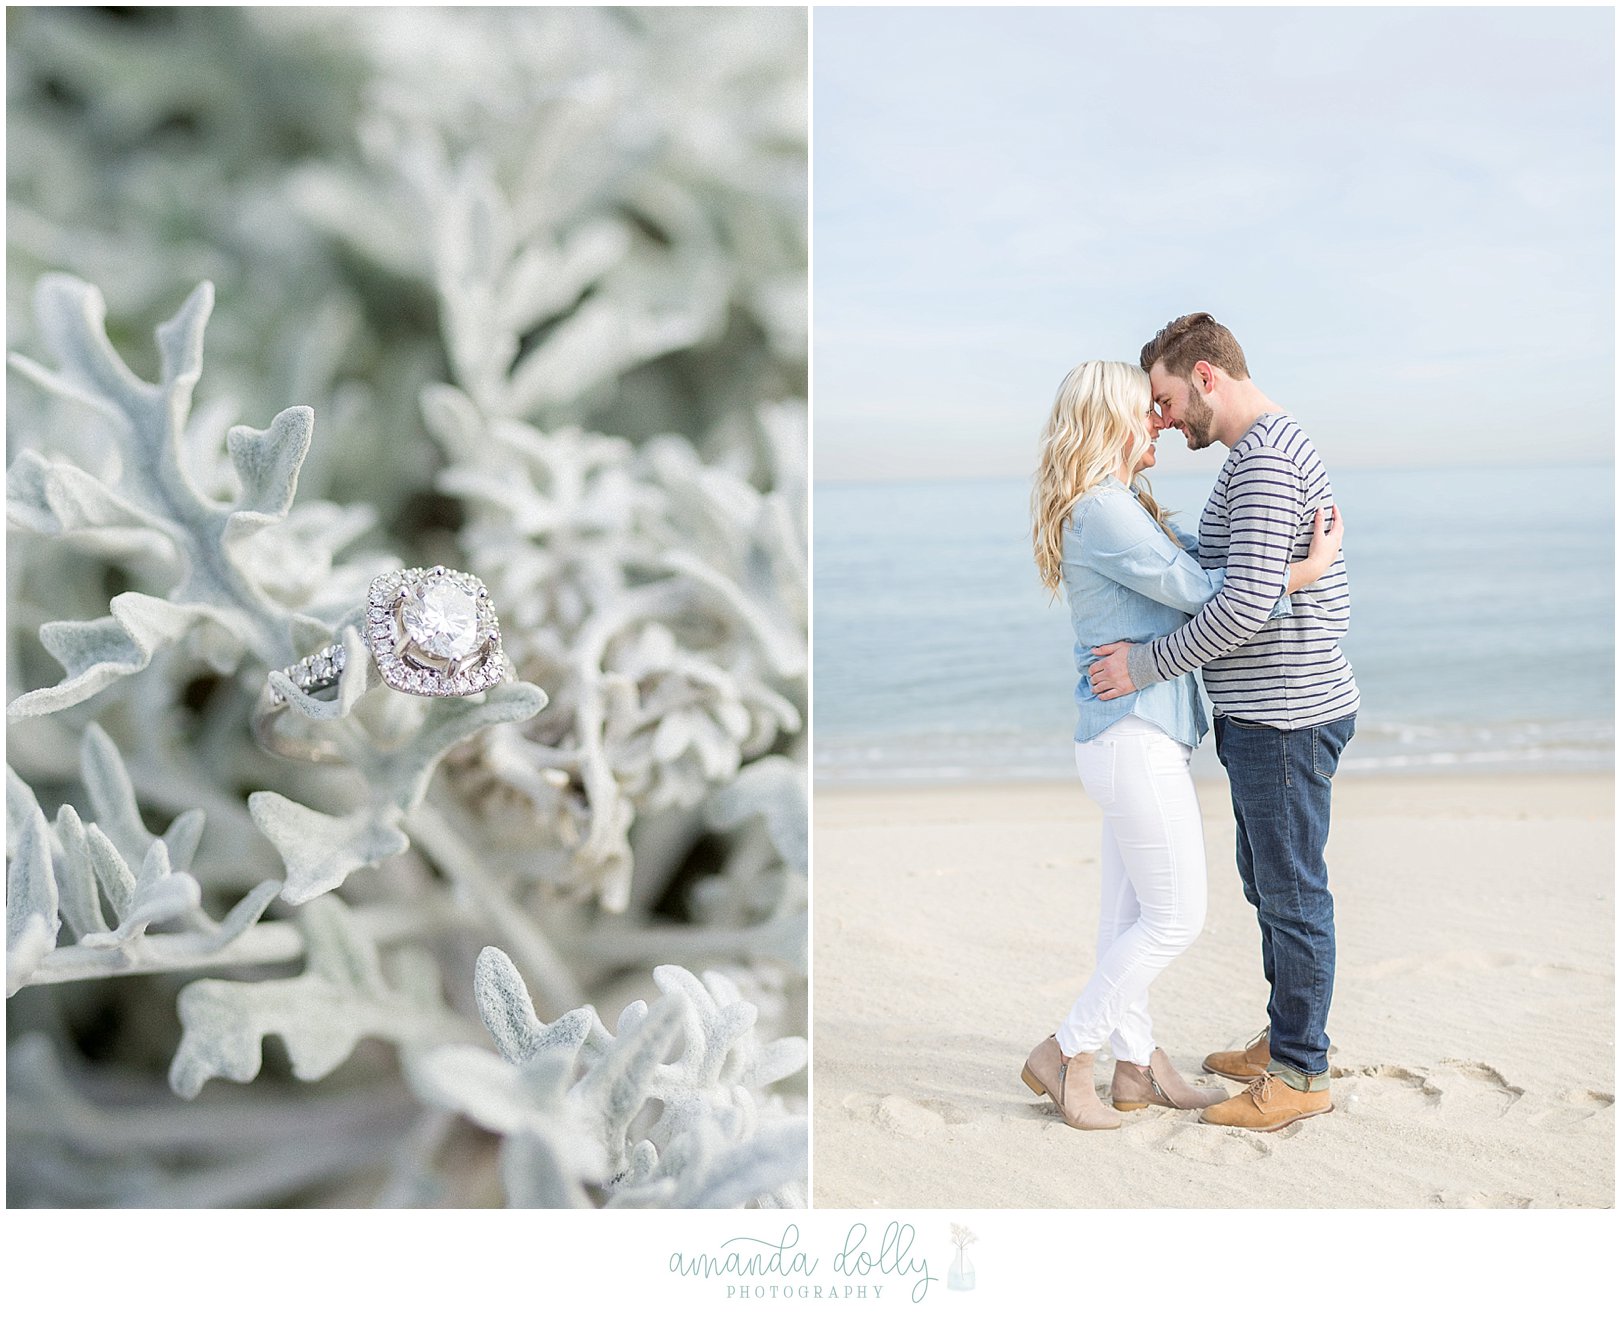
(1270, 1104)
(1243, 1064)
(1135, 1086)
(1068, 1083)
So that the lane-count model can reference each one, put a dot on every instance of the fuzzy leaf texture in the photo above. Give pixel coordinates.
(571, 1100)
(516, 290)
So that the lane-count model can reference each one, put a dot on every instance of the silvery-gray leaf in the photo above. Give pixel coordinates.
(160, 894)
(310, 707)
(21, 807)
(159, 496)
(72, 316)
(454, 420)
(68, 390)
(512, 1102)
(616, 1089)
(728, 1176)
(207, 946)
(784, 649)
(631, 1016)
(451, 721)
(320, 1015)
(717, 1021)
(539, 1171)
(112, 794)
(777, 1061)
(707, 1167)
(509, 1015)
(113, 874)
(76, 879)
(773, 790)
(621, 1076)
(474, 1082)
(237, 921)
(93, 874)
(306, 562)
(182, 837)
(320, 850)
(61, 500)
(97, 653)
(505, 1006)
(32, 920)
(600, 340)
(267, 461)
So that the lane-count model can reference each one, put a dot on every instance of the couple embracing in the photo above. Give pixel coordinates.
(1258, 601)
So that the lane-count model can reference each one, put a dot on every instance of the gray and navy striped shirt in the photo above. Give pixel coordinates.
(1287, 672)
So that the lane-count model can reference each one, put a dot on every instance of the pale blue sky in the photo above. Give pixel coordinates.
(1406, 216)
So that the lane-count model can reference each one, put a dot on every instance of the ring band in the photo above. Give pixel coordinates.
(430, 631)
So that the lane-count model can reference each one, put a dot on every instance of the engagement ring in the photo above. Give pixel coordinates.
(432, 632)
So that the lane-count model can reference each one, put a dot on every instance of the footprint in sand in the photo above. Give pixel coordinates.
(1549, 970)
(1217, 1146)
(1574, 1106)
(1149, 1128)
(1480, 1200)
(916, 1118)
(1456, 1090)
(1172, 1132)
(1473, 1090)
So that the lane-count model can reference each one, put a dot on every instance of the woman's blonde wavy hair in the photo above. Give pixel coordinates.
(1099, 420)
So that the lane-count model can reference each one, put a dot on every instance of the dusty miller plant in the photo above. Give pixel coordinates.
(517, 290)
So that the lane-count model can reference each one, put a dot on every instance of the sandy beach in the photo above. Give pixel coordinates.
(1473, 1018)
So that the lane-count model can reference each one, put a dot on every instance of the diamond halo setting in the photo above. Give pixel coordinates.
(433, 632)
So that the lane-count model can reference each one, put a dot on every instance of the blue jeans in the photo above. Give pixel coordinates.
(1281, 781)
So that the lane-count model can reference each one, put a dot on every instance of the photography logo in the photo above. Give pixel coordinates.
(866, 1265)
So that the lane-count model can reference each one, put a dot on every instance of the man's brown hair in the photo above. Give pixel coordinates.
(1196, 337)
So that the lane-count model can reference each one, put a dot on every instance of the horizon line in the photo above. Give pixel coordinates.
(910, 479)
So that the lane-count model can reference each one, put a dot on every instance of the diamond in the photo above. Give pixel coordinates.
(442, 619)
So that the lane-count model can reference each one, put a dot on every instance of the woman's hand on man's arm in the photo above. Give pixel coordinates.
(1325, 548)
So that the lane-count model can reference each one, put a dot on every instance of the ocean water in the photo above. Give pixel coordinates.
(1482, 626)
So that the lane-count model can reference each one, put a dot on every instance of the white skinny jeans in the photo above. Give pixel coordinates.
(1153, 882)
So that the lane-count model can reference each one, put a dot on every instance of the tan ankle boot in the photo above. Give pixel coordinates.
(1068, 1083)
(1243, 1064)
(1160, 1083)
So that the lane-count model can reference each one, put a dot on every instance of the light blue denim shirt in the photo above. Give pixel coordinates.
(1126, 581)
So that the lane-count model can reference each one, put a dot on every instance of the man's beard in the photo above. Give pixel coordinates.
(1197, 418)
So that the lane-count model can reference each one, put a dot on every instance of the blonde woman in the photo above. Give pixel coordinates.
(1127, 574)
